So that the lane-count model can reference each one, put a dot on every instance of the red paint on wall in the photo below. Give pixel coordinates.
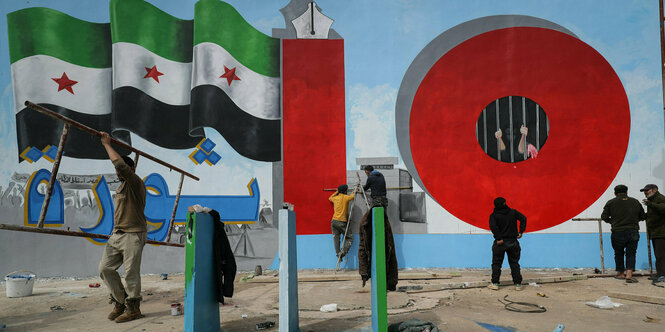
(314, 128)
(589, 126)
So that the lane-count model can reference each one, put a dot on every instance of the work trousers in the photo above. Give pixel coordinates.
(338, 228)
(625, 243)
(510, 247)
(123, 248)
(659, 252)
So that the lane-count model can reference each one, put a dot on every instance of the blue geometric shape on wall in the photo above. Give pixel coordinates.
(207, 145)
(49, 152)
(199, 156)
(204, 153)
(214, 157)
(31, 154)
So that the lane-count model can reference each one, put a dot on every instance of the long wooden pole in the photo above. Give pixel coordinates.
(54, 173)
(661, 19)
(602, 254)
(94, 132)
(175, 207)
(72, 233)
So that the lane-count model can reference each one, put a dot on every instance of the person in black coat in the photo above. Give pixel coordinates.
(225, 263)
(376, 184)
(503, 223)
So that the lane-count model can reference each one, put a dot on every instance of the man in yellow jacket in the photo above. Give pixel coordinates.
(339, 221)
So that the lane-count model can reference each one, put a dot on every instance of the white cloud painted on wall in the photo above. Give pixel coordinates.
(371, 122)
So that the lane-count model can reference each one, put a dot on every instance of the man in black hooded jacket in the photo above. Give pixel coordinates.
(503, 223)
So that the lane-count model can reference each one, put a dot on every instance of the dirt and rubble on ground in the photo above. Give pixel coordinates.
(452, 299)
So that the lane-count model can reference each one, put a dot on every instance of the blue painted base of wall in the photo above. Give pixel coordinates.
(471, 251)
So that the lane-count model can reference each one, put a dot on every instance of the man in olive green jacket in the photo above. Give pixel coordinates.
(655, 203)
(125, 246)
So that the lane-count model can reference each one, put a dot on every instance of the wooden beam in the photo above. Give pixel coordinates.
(54, 173)
(638, 297)
(94, 132)
(17, 228)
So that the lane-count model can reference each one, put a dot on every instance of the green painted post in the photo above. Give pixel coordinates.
(379, 293)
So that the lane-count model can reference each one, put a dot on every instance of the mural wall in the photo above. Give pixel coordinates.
(547, 104)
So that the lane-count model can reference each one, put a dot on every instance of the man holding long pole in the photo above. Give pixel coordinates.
(125, 246)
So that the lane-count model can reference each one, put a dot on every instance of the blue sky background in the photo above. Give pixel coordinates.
(382, 37)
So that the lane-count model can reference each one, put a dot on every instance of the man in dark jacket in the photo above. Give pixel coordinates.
(376, 183)
(624, 214)
(655, 203)
(503, 223)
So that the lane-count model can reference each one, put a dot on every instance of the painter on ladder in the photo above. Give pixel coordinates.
(125, 246)
(503, 224)
(624, 214)
(339, 222)
(655, 203)
(376, 183)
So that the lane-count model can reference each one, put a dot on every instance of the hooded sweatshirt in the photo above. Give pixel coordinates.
(503, 223)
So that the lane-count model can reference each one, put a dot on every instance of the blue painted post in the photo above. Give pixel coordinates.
(288, 273)
(379, 296)
(201, 304)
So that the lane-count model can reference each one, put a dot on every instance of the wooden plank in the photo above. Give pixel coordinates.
(44, 110)
(638, 297)
(355, 276)
(8, 227)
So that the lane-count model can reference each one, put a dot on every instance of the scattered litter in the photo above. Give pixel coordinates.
(533, 284)
(258, 270)
(176, 309)
(409, 288)
(596, 270)
(95, 285)
(265, 325)
(604, 302)
(148, 293)
(413, 325)
(332, 307)
(559, 328)
(244, 316)
(57, 308)
(245, 278)
(2, 326)
(651, 320)
(517, 306)
(165, 276)
(542, 294)
(496, 328)
(75, 295)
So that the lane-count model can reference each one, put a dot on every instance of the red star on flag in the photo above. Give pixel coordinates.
(153, 72)
(64, 83)
(230, 75)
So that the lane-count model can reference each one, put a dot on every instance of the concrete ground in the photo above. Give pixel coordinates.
(71, 305)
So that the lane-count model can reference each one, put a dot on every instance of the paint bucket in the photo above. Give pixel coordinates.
(19, 283)
(176, 309)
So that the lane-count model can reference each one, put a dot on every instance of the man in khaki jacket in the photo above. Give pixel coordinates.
(125, 246)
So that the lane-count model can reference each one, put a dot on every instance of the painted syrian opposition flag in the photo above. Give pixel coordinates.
(152, 69)
(235, 81)
(64, 64)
